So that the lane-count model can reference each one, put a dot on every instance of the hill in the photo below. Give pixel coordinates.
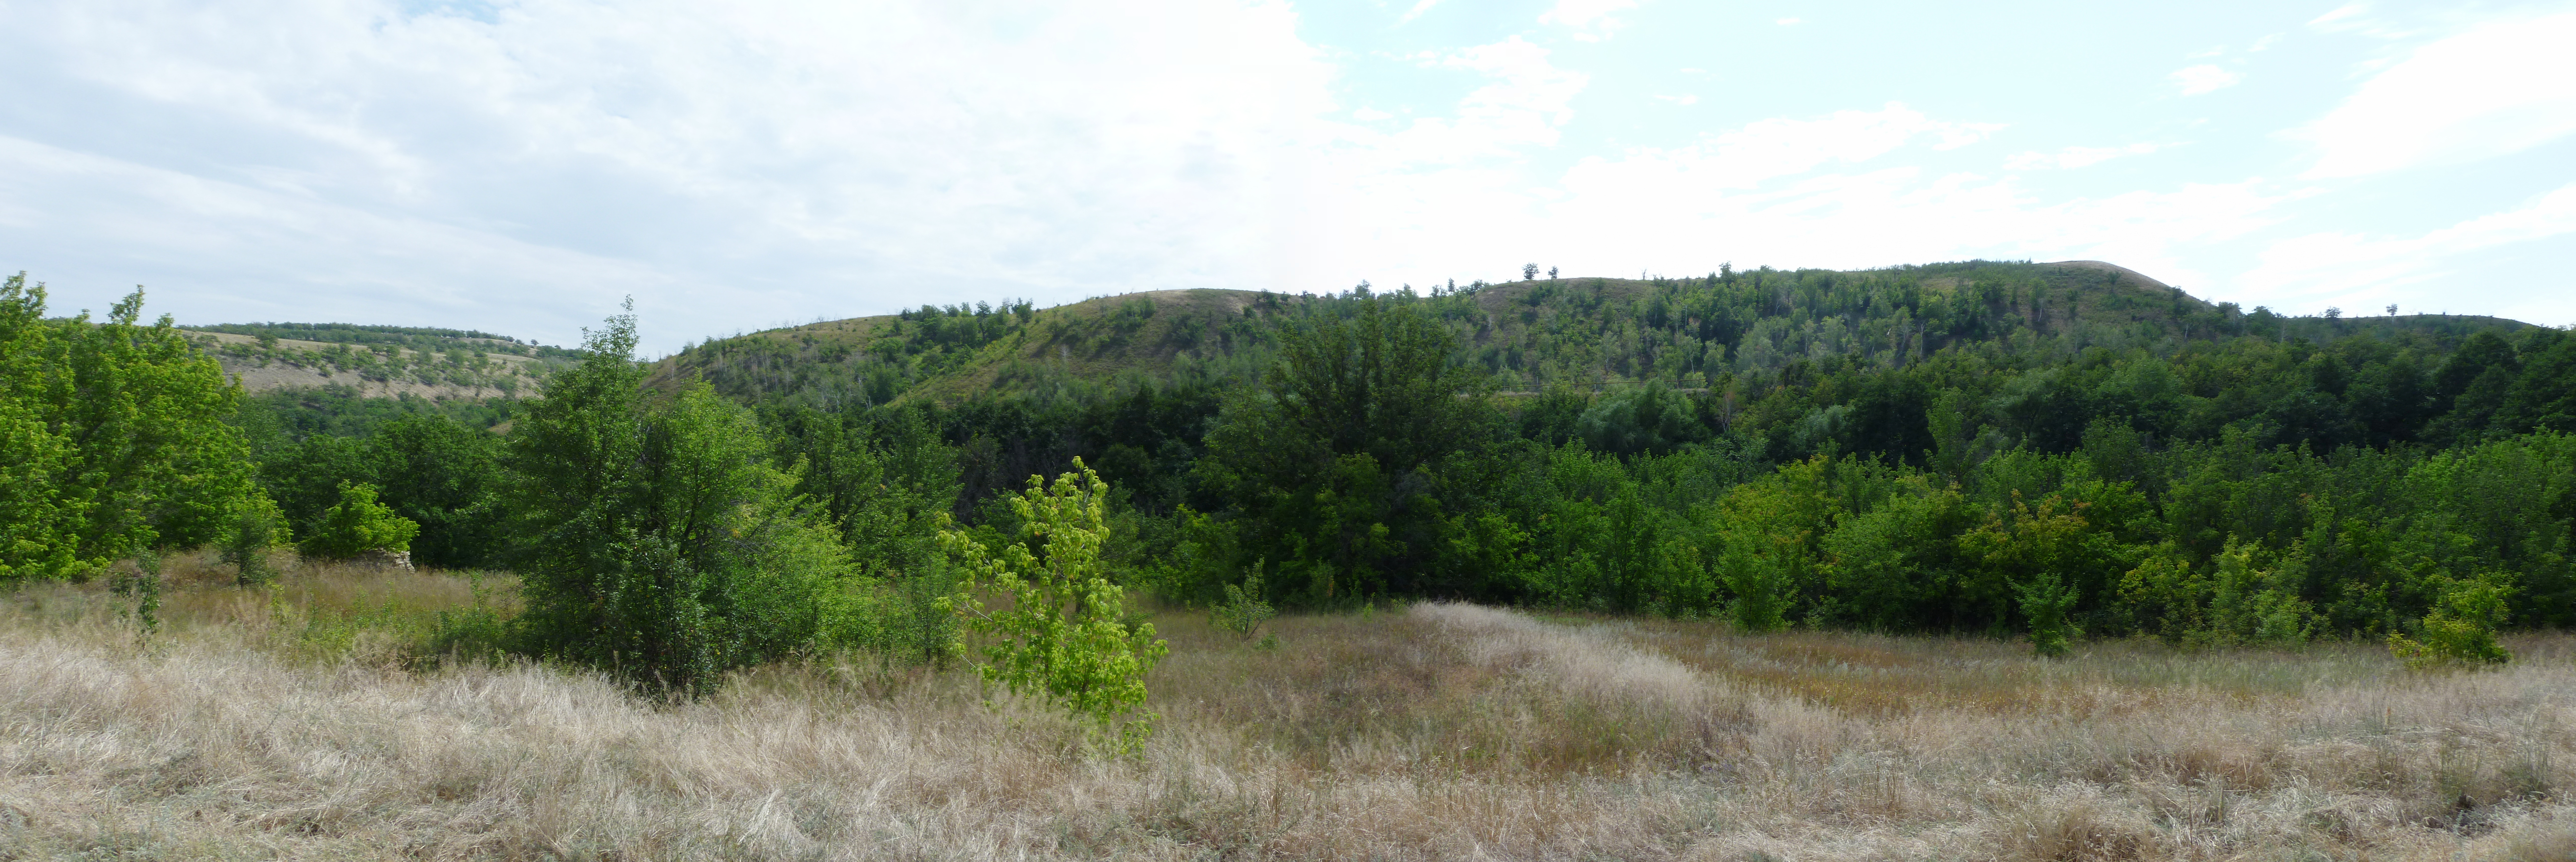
(379, 361)
(1598, 333)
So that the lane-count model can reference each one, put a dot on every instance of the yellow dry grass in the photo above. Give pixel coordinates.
(295, 724)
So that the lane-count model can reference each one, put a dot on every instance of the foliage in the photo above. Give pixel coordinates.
(114, 439)
(2004, 449)
(144, 586)
(1334, 468)
(2461, 628)
(257, 526)
(359, 525)
(660, 544)
(1243, 611)
(1063, 634)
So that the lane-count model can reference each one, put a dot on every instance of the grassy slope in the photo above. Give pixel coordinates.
(262, 374)
(304, 725)
(1207, 332)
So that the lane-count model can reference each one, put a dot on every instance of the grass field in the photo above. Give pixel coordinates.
(303, 724)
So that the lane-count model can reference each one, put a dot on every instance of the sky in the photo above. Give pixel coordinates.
(524, 167)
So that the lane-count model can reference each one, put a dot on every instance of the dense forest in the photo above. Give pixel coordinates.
(2053, 452)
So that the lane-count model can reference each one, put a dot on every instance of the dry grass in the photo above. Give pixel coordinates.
(302, 724)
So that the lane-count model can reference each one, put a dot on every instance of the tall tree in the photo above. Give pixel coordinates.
(1332, 465)
(660, 544)
(116, 438)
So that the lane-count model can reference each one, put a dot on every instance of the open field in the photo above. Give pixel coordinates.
(300, 724)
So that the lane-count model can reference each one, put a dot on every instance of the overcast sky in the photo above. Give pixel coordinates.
(519, 167)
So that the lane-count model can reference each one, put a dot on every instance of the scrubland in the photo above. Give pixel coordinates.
(310, 722)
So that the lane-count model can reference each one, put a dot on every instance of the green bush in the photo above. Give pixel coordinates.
(1243, 611)
(660, 544)
(1063, 635)
(257, 527)
(359, 525)
(2461, 628)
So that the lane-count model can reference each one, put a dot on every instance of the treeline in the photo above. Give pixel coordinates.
(2009, 458)
(2223, 489)
(667, 537)
(2349, 488)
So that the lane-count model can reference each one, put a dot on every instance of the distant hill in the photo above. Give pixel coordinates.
(379, 361)
(1590, 332)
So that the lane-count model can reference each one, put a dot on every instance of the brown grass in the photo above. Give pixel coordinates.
(303, 723)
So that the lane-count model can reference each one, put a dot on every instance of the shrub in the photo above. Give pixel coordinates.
(660, 544)
(2461, 628)
(1063, 635)
(257, 526)
(359, 525)
(2250, 605)
(1243, 611)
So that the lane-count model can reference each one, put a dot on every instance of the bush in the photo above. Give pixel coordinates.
(1243, 611)
(661, 545)
(257, 527)
(2461, 628)
(359, 525)
(1063, 635)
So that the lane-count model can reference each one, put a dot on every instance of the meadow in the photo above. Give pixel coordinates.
(315, 721)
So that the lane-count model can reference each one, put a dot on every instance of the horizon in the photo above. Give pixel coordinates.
(518, 167)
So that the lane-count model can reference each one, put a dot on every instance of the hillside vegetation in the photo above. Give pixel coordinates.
(1968, 560)
(1594, 332)
(378, 361)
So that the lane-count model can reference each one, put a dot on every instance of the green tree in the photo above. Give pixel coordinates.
(359, 525)
(446, 476)
(257, 527)
(1063, 635)
(113, 438)
(660, 544)
(1354, 410)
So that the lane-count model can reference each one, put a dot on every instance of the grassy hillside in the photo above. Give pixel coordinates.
(1589, 332)
(321, 722)
(379, 361)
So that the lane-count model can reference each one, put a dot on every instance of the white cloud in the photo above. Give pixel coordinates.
(307, 259)
(2343, 265)
(736, 165)
(2498, 89)
(1591, 20)
(2195, 80)
(1527, 102)
(2356, 18)
(757, 160)
(2076, 157)
(1771, 149)
(1416, 11)
(1835, 191)
(2340, 15)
